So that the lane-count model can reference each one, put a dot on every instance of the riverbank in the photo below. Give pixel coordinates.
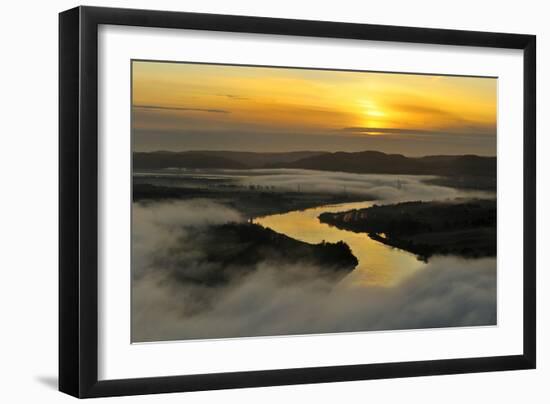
(249, 201)
(463, 228)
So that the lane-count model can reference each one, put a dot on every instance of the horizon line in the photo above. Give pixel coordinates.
(312, 151)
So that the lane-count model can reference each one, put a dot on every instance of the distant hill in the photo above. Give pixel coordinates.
(255, 159)
(372, 162)
(217, 159)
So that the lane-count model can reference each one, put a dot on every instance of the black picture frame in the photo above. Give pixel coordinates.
(78, 201)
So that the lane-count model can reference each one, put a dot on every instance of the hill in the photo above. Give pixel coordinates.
(374, 162)
(367, 162)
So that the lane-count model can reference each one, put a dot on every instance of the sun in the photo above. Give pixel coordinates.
(372, 114)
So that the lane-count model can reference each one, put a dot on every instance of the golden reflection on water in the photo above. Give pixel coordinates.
(379, 264)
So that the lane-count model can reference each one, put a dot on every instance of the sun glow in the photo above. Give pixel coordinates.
(372, 109)
(214, 99)
(373, 115)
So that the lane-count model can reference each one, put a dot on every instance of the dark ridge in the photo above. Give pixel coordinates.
(464, 228)
(373, 162)
(367, 162)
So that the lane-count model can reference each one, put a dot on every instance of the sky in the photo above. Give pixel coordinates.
(187, 106)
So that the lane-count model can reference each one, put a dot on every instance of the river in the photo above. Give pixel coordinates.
(389, 289)
(379, 264)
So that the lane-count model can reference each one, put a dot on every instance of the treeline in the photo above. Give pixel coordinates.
(233, 250)
(466, 228)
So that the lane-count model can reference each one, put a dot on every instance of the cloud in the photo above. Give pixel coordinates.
(158, 227)
(364, 129)
(444, 294)
(470, 130)
(158, 107)
(447, 292)
(233, 96)
(387, 187)
(422, 109)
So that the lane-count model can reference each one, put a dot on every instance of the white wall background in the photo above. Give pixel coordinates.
(28, 211)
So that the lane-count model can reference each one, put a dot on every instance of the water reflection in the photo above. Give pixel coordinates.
(379, 264)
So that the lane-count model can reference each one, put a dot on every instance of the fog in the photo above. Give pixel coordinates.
(442, 295)
(387, 187)
(157, 228)
(448, 292)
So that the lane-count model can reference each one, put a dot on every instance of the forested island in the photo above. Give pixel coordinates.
(233, 250)
(464, 228)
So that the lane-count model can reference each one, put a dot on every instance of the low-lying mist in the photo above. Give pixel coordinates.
(446, 293)
(387, 187)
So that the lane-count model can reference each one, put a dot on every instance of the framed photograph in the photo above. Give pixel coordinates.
(251, 201)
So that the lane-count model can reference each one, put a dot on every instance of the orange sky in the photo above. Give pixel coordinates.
(197, 106)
